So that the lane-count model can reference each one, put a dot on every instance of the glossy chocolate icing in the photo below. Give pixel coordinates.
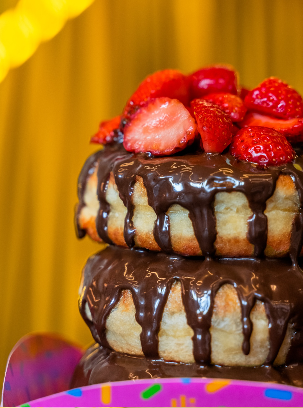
(86, 171)
(100, 365)
(149, 277)
(192, 181)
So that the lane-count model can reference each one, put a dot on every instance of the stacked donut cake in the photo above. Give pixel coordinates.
(197, 189)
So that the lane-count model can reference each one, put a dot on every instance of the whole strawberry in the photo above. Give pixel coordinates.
(262, 145)
(215, 78)
(169, 83)
(214, 126)
(230, 104)
(275, 97)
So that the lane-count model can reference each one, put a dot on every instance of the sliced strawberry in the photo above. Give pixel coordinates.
(213, 79)
(288, 127)
(169, 83)
(162, 126)
(106, 134)
(230, 104)
(214, 126)
(276, 98)
(262, 145)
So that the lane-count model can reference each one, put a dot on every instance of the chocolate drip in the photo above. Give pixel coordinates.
(258, 194)
(149, 277)
(257, 231)
(297, 231)
(102, 217)
(162, 232)
(198, 301)
(125, 183)
(100, 365)
(111, 154)
(192, 181)
(278, 317)
(87, 170)
(247, 303)
(149, 313)
(296, 238)
(204, 224)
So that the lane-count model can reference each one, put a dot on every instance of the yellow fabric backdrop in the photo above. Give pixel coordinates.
(51, 105)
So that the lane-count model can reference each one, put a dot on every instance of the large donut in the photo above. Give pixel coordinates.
(231, 210)
(126, 295)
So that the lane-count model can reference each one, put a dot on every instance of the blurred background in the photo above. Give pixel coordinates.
(52, 102)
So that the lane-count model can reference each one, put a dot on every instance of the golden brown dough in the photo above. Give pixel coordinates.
(232, 212)
(175, 343)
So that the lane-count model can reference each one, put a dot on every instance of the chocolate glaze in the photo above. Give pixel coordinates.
(150, 275)
(100, 365)
(87, 170)
(192, 181)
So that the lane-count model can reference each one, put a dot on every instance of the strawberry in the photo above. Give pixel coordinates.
(242, 92)
(290, 128)
(190, 110)
(213, 79)
(169, 83)
(235, 129)
(214, 126)
(262, 145)
(162, 126)
(230, 104)
(295, 139)
(106, 134)
(275, 97)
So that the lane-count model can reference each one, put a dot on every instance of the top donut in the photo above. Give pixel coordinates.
(198, 165)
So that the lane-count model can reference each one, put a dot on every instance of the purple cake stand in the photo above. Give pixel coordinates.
(39, 365)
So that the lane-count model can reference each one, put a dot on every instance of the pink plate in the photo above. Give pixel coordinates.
(176, 392)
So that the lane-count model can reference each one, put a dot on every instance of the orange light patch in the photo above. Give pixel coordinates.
(216, 385)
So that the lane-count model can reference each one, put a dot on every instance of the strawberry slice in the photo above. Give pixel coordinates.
(213, 79)
(214, 126)
(169, 83)
(276, 98)
(162, 126)
(262, 145)
(288, 127)
(230, 104)
(106, 132)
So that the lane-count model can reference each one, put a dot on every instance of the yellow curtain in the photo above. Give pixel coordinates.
(51, 105)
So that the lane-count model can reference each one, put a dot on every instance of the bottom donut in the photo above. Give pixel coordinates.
(228, 312)
(100, 365)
